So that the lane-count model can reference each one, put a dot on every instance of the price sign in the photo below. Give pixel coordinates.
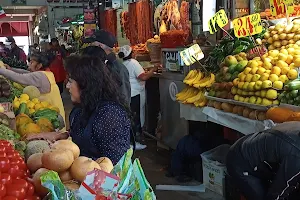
(278, 7)
(220, 19)
(191, 55)
(249, 25)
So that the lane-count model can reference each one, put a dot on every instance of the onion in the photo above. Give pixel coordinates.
(40, 190)
(67, 145)
(34, 162)
(105, 164)
(81, 166)
(58, 160)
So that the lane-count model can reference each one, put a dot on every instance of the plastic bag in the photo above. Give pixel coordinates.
(57, 189)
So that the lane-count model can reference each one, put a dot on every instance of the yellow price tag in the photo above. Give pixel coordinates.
(220, 19)
(191, 55)
(278, 7)
(248, 25)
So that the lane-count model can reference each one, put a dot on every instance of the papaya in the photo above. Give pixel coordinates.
(294, 117)
(279, 114)
(29, 128)
(23, 119)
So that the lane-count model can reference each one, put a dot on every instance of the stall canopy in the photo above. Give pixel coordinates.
(13, 29)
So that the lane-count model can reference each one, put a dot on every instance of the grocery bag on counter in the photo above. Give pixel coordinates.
(100, 185)
(57, 189)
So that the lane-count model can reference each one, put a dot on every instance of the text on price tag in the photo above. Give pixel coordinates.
(278, 7)
(191, 55)
(220, 19)
(248, 25)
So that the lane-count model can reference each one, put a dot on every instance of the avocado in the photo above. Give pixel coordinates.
(294, 93)
(291, 101)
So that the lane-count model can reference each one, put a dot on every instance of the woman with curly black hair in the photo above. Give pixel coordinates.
(100, 123)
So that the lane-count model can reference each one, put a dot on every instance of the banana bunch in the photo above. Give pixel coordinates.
(198, 79)
(190, 95)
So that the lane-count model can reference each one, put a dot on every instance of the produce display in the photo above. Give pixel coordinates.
(229, 46)
(268, 15)
(281, 35)
(239, 110)
(14, 62)
(197, 82)
(14, 183)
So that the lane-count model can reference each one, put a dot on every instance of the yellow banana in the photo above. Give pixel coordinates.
(191, 94)
(182, 92)
(201, 102)
(190, 81)
(199, 77)
(184, 95)
(194, 98)
(190, 74)
(206, 81)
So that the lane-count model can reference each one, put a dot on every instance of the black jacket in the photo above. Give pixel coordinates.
(123, 74)
(279, 146)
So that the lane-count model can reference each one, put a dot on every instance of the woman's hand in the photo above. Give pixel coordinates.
(49, 136)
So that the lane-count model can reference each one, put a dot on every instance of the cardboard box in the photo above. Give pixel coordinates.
(213, 164)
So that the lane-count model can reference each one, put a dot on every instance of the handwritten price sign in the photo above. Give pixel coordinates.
(278, 7)
(220, 19)
(249, 25)
(191, 55)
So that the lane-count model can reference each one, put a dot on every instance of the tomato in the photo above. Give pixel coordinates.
(30, 190)
(4, 164)
(2, 154)
(6, 144)
(32, 198)
(2, 148)
(16, 191)
(10, 198)
(6, 179)
(19, 162)
(15, 171)
(2, 190)
(20, 182)
(11, 155)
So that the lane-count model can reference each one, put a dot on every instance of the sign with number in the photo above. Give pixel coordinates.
(191, 55)
(279, 7)
(220, 19)
(249, 25)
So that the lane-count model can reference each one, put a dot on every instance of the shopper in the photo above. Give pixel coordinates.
(107, 41)
(15, 51)
(137, 78)
(56, 66)
(99, 122)
(266, 165)
(39, 76)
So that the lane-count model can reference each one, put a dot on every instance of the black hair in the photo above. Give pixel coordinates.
(43, 58)
(95, 82)
(128, 57)
(95, 51)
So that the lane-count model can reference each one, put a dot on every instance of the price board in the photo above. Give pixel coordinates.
(279, 7)
(191, 55)
(220, 19)
(248, 25)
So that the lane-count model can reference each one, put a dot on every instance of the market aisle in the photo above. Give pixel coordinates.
(153, 163)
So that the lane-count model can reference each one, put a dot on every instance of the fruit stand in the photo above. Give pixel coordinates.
(256, 73)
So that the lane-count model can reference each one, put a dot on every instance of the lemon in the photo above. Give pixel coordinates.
(292, 74)
(45, 104)
(30, 104)
(285, 70)
(24, 97)
(16, 104)
(276, 70)
(38, 107)
(236, 97)
(272, 94)
(297, 62)
(35, 100)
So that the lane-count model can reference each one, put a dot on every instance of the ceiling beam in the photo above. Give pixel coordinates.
(14, 19)
(21, 11)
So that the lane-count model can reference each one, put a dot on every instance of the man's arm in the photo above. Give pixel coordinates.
(286, 178)
(20, 71)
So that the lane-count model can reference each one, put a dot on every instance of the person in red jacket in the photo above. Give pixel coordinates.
(56, 66)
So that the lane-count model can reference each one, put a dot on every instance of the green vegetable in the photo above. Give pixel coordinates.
(22, 108)
(294, 85)
(49, 114)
